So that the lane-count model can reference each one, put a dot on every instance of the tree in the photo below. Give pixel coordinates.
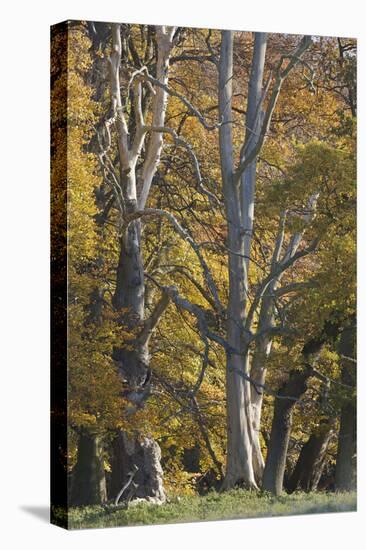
(244, 405)
(131, 187)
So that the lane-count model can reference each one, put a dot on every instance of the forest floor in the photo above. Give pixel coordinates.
(214, 506)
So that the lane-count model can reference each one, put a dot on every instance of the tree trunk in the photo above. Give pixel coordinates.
(191, 459)
(345, 477)
(253, 121)
(239, 467)
(129, 299)
(258, 373)
(310, 464)
(281, 427)
(88, 484)
(130, 454)
(288, 395)
(133, 363)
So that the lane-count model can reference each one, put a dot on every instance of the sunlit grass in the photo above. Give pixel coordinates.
(214, 506)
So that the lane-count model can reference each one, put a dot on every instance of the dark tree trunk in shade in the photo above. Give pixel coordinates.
(310, 464)
(281, 428)
(345, 477)
(294, 388)
(191, 459)
(88, 484)
(142, 457)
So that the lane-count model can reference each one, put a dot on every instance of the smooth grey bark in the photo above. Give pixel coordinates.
(244, 457)
(258, 373)
(88, 484)
(310, 464)
(239, 467)
(345, 477)
(253, 119)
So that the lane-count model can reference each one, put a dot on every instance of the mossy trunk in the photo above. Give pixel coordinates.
(88, 485)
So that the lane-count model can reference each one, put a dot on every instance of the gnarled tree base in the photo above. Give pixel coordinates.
(239, 475)
(139, 460)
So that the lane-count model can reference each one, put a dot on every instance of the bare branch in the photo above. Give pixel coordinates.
(152, 322)
(293, 287)
(130, 477)
(191, 109)
(183, 143)
(280, 78)
(187, 274)
(117, 115)
(107, 166)
(258, 386)
(279, 269)
(192, 57)
(151, 212)
(308, 216)
(201, 375)
(164, 42)
(204, 433)
(225, 105)
(279, 240)
(350, 359)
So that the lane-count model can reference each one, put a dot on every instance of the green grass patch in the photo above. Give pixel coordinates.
(214, 506)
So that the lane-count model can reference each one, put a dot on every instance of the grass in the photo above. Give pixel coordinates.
(215, 506)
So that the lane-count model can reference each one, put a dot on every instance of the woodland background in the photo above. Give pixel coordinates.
(284, 220)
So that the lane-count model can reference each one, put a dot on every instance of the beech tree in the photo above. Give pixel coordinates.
(131, 186)
(245, 462)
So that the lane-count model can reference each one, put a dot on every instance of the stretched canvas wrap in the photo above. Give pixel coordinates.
(203, 274)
